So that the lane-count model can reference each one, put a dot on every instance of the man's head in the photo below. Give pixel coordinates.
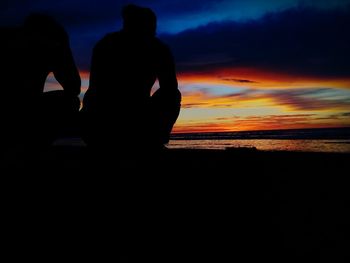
(139, 20)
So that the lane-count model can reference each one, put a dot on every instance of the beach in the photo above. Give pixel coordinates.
(280, 206)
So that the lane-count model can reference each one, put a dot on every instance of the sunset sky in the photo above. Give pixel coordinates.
(241, 65)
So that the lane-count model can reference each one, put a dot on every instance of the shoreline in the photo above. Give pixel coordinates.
(246, 160)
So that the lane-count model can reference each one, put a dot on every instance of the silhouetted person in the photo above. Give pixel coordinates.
(118, 108)
(29, 53)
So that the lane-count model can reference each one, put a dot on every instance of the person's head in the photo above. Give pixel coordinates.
(45, 26)
(139, 20)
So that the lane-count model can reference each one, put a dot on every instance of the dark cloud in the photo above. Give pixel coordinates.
(98, 12)
(88, 21)
(173, 8)
(309, 99)
(69, 13)
(239, 80)
(302, 41)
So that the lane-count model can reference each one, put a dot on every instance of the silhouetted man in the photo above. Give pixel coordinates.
(118, 108)
(29, 54)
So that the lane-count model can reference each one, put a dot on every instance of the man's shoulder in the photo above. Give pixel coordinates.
(161, 45)
(159, 42)
(108, 38)
(115, 34)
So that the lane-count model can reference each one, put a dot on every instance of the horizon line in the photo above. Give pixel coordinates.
(291, 129)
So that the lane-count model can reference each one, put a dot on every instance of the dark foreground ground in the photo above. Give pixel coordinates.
(237, 205)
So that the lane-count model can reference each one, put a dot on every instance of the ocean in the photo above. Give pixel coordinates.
(304, 140)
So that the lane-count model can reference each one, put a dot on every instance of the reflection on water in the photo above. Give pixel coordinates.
(266, 145)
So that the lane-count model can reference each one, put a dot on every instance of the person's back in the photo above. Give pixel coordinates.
(47, 50)
(125, 66)
(32, 51)
(127, 69)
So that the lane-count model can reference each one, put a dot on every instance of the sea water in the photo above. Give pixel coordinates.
(306, 140)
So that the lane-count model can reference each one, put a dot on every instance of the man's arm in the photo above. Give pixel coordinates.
(166, 101)
(66, 72)
(166, 70)
(90, 97)
(168, 85)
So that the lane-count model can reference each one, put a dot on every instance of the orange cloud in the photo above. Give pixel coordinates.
(268, 122)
